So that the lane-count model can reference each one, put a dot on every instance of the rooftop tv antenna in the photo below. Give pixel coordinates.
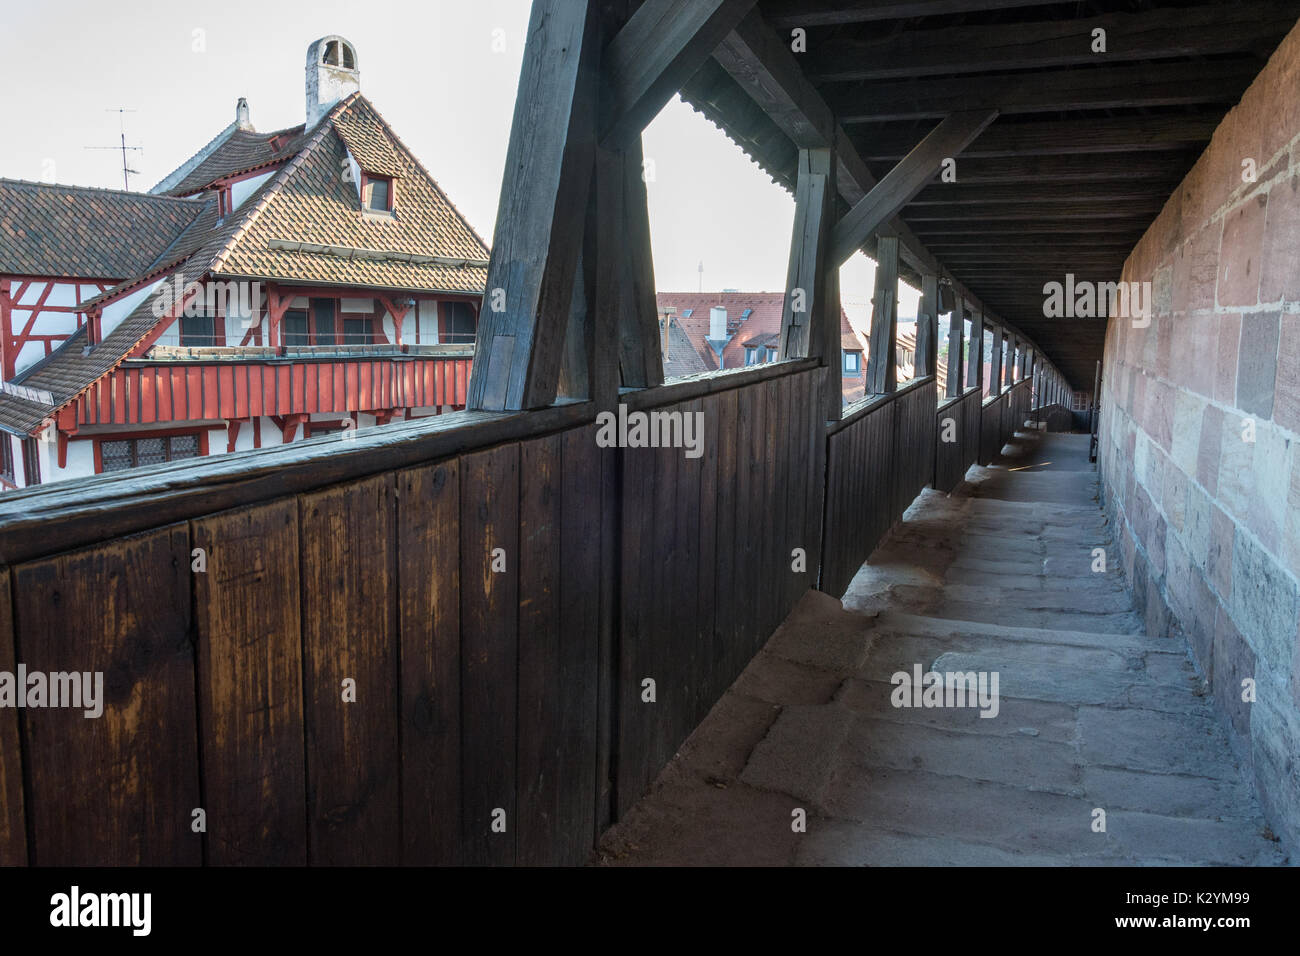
(700, 270)
(126, 168)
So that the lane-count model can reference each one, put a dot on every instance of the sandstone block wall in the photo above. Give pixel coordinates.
(1200, 426)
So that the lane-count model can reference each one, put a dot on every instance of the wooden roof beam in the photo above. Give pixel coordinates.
(905, 180)
(1128, 134)
(1148, 35)
(654, 54)
(1119, 87)
(762, 64)
(827, 13)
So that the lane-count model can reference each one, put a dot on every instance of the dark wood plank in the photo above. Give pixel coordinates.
(489, 608)
(349, 627)
(585, 510)
(685, 598)
(606, 473)
(774, 558)
(1145, 35)
(636, 632)
(1122, 134)
(117, 790)
(13, 819)
(541, 690)
(247, 614)
(428, 569)
(667, 714)
(819, 13)
(705, 533)
(1158, 84)
(728, 594)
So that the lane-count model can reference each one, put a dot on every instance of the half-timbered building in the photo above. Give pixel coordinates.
(274, 287)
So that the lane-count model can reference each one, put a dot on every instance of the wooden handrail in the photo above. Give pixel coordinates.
(708, 383)
(869, 404)
(68, 514)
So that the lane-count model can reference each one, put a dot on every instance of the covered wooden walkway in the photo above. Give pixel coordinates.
(479, 639)
(1093, 714)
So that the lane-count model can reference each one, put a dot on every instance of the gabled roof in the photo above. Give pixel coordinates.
(368, 143)
(306, 200)
(753, 320)
(77, 231)
(680, 357)
(312, 203)
(243, 150)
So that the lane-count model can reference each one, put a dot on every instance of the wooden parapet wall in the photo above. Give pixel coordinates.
(401, 638)
(878, 458)
(952, 458)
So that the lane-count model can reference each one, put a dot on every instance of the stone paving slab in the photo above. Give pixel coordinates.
(807, 760)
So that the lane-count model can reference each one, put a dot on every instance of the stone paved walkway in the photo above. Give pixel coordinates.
(1092, 713)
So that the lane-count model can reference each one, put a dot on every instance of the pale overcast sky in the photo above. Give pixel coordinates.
(429, 67)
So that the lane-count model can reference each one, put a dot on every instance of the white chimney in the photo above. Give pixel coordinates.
(241, 115)
(717, 322)
(718, 331)
(332, 74)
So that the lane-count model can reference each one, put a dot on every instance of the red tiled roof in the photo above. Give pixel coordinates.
(242, 150)
(763, 322)
(306, 200)
(77, 231)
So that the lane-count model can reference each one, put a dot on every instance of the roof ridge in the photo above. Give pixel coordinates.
(100, 189)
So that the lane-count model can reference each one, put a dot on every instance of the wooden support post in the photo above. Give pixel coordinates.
(995, 373)
(975, 358)
(613, 336)
(882, 363)
(956, 335)
(810, 317)
(927, 327)
(625, 255)
(1011, 360)
(540, 217)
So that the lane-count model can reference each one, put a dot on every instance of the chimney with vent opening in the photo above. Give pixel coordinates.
(333, 74)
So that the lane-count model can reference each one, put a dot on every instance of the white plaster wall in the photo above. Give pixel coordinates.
(112, 314)
(240, 191)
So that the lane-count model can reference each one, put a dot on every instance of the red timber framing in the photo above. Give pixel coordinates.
(19, 319)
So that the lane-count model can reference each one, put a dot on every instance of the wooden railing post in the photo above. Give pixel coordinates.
(975, 358)
(927, 326)
(995, 372)
(882, 363)
(810, 317)
(956, 333)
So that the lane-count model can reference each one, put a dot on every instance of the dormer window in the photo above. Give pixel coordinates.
(338, 53)
(376, 193)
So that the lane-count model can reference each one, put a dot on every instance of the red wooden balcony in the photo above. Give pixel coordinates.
(186, 384)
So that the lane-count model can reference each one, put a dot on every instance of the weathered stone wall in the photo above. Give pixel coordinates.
(1200, 421)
